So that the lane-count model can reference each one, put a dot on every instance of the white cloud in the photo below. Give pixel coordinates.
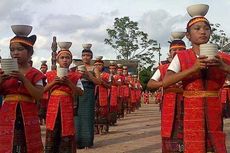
(84, 21)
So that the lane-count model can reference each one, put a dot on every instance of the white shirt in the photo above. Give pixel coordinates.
(156, 76)
(39, 83)
(79, 84)
(175, 65)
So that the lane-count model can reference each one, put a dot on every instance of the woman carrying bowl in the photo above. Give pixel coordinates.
(102, 99)
(19, 122)
(202, 79)
(63, 87)
(84, 121)
(171, 104)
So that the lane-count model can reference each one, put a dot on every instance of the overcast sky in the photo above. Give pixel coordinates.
(86, 21)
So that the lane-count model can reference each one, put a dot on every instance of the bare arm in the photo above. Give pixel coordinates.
(51, 84)
(172, 77)
(153, 84)
(35, 91)
(92, 78)
(105, 84)
(79, 92)
(75, 90)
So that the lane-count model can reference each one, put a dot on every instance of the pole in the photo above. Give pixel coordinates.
(54, 53)
(159, 53)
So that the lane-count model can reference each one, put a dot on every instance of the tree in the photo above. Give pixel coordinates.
(219, 37)
(145, 75)
(131, 43)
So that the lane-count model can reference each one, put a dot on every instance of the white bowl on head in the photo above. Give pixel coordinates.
(99, 58)
(86, 46)
(125, 67)
(197, 10)
(177, 35)
(112, 62)
(64, 45)
(44, 62)
(119, 65)
(21, 30)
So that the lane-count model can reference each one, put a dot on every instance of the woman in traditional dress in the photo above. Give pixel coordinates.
(171, 104)
(102, 99)
(202, 79)
(60, 130)
(225, 98)
(19, 123)
(126, 89)
(114, 92)
(84, 121)
(43, 102)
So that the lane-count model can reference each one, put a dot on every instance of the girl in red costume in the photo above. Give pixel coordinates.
(202, 79)
(19, 122)
(102, 98)
(43, 103)
(171, 105)
(59, 120)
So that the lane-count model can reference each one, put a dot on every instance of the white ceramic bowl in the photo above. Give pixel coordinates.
(197, 10)
(209, 50)
(177, 35)
(119, 65)
(125, 67)
(44, 62)
(112, 62)
(61, 72)
(64, 45)
(9, 65)
(86, 46)
(21, 30)
(99, 57)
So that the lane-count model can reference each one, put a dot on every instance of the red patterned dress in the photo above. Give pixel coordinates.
(126, 92)
(138, 93)
(120, 99)
(146, 97)
(43, 103)
(102, 104)
(59, 120)
(19, 122)
(133, 95)
(113, 100)
(225, 100)
(203, 129)
(171, 116)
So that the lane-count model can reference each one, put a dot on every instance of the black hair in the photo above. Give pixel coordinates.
(87, 51)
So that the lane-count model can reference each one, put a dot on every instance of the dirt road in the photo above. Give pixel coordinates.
(138, 132)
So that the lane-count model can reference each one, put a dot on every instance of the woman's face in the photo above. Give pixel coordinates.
(20, 52)
(64, 60)
(119, 71)
(125, 72)
(112, 70)
(86, 57)
(199, 33)
(44, 69)
(99, 66)
(174, 50)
